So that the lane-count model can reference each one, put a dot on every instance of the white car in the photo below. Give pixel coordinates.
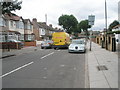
(77, 45)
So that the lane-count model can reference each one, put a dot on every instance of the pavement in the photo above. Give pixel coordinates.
(102, 65)
(14, 52)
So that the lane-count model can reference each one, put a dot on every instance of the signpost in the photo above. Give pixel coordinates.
(91, 19)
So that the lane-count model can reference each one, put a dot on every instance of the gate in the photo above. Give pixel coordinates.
(113, 44)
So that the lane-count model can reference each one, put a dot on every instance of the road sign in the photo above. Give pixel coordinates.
(91, 19)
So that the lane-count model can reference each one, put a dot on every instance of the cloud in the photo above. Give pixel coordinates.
(79, 8)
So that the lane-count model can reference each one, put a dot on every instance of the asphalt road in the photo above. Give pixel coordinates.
(44, 69)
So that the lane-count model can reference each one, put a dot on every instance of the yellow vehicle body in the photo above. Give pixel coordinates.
(60, 40)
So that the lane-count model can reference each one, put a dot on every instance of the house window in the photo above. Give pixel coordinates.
(11, 23)
(28, 25)
(21, 25)
(2, 22)
(42, 31)
(29, 37)
(17, 24)
(2, 38)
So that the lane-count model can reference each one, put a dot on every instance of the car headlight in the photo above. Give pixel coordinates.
(71, 47)
(81, 47)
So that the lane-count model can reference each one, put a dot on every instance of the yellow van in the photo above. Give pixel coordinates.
(60, 40)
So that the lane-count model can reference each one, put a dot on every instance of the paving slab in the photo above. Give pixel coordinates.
(101, 57)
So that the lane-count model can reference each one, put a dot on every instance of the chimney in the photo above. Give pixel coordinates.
(56, 28)
(34, 19)
(50, 25)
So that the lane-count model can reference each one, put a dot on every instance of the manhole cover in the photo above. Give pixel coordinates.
(100, 68)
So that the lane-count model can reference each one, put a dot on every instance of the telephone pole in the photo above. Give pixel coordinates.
(46, 18)
(106, 22)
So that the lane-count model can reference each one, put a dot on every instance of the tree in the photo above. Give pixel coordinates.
(68, 22)
(113, 24)
(83, 25)
(12, 5)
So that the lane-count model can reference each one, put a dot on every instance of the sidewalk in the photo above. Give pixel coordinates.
(100, 77)
(18, 52)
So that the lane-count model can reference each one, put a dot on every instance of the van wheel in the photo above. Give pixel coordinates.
(57, 48)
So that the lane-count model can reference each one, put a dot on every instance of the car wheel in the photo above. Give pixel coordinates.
(68, 51)
(85, 51)
(41, 47)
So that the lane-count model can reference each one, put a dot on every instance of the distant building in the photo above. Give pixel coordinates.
(28, 27)
(119, 11)
(36, 29)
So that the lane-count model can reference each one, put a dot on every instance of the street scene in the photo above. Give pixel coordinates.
(44, 49)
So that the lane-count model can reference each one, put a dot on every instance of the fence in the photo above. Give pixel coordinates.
(10, 45)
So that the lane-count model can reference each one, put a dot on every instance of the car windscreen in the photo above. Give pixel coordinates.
(48, 41)
(78, 41)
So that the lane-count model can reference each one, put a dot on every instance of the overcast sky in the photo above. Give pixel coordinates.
(79, 8)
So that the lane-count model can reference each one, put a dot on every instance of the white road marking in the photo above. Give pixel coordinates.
(44, 77)
(59, 50)
(62, 65)
(75, 68)
(45, 68)
(16, 69)
(47, 55)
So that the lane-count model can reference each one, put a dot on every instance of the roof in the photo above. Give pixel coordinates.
(116, 26)
(12, 17)
(26, 20)
(45, 26)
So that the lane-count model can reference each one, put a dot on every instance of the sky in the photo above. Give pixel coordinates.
(81, 9)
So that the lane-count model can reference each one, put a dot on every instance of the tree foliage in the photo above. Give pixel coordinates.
(113, 24)
(12, 5)
(83, 25)
(68, 22)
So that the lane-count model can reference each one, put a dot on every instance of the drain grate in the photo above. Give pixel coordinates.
(102, 67)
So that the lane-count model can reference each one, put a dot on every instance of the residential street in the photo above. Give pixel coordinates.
(33, 33)
(47, 68)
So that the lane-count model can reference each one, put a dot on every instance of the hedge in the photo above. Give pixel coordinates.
(112, 32)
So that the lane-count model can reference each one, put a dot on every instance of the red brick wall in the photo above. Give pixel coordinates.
(30, 43)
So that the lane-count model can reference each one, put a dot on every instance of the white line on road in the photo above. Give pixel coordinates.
(16, 69)
(47, 55)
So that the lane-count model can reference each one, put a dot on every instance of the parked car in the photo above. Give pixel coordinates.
(77, 45)
(46, 44)
(16, 41)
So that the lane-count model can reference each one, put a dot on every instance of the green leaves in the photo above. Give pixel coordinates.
(83, 25)
(71, 25)
(112, 32)
(68, 22)
(7, 7)
(113, 24)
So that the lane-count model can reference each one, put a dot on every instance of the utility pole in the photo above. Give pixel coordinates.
(106, 22)
(46, 18)
(91, 19)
